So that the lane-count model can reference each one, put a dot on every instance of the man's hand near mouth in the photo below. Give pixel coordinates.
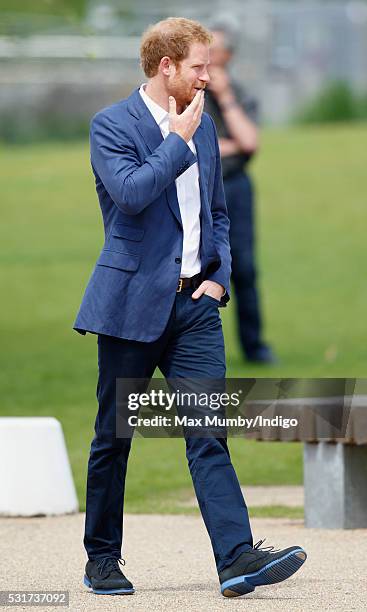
(186, 124)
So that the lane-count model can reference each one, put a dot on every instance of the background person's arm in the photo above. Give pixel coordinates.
(228, 146)
(242, 129)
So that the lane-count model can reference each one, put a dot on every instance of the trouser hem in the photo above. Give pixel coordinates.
(228, 563)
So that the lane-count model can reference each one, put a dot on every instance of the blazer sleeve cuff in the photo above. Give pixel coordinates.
(181, 151)
(221, 278)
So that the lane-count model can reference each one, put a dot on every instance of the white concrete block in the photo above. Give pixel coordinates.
(35, 474)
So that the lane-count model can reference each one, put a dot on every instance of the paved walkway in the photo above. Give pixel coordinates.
(169, 560)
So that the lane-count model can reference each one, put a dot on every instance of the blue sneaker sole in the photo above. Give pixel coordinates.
(276, 571)
(88, 584)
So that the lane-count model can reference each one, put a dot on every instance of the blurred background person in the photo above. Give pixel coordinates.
(235, 113)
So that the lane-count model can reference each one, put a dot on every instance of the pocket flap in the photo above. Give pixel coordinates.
(122, 261)
(126, 231)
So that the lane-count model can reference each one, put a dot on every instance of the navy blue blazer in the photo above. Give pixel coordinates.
(133, 286)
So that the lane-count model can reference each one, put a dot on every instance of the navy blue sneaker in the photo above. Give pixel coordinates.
(258, 567)
(104, 577)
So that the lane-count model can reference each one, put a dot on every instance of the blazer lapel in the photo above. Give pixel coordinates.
(150, 131)
(203, 155)
(152, 137)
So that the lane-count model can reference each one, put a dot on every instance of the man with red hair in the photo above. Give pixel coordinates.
(154, 294)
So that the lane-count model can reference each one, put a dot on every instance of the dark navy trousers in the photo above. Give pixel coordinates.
(240, 203)
(191, 347)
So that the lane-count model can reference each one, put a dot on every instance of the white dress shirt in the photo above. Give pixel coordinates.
(188, 195)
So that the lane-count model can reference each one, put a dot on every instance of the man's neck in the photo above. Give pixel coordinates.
(154, 91)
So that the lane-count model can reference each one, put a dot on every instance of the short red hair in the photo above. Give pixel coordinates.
(171, 37)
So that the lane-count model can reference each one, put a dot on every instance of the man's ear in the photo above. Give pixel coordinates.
(166, 65)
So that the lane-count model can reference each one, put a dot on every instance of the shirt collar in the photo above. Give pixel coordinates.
(159, 114)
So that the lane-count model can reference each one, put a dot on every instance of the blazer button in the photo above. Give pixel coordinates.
(178, 260)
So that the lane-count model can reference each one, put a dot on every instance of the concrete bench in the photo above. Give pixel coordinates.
(334, 432)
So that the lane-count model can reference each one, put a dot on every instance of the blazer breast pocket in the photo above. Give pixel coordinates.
(120, 230)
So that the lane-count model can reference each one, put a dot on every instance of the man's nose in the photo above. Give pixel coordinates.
(205, 77)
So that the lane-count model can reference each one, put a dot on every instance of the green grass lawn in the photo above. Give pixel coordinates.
(311, 250)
